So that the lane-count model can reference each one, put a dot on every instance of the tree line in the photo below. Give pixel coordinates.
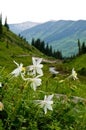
(81, 47)
(46, 49)
(1, 25)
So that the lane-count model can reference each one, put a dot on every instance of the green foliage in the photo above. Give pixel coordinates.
(82, 71)
(22, 113)
(78, 63)
(12, 47)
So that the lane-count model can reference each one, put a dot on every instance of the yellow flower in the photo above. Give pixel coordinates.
(23, 69)
(1, 106)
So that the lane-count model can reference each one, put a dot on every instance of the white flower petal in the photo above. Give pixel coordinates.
(16, 72)
(45, 98)
(33, 85)
(46, 103)
(39, 71)
(34, 60)
(49, 107)
(49, 97)
(35, 82)
(39, 61)
(0, 84)
(45, 109)
(36, 67)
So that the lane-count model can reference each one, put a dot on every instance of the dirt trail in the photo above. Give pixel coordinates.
(44, 60)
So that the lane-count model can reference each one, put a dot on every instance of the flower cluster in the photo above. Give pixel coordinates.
(32, 74)
(35, 71)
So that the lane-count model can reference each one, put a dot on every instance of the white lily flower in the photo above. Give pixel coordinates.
(53, 71)
(46, 103)
(16, 72)
(35, 82)
(36, 67)
(73, 75)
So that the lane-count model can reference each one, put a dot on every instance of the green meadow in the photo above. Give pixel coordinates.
(23, 107)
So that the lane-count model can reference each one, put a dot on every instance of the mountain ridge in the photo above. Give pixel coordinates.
(19, 27)
(61, 34)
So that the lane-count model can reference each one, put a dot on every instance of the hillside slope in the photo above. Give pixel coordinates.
(12, 47)
(78, 63)
(60, 34)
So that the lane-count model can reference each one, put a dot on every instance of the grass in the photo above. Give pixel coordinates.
(12, 47)
(22, 113)
(20, 110)
(77, 63)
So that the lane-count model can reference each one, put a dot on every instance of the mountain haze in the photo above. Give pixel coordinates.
(62, 34)
(19, 27)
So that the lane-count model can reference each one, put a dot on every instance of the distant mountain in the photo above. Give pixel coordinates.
(19, 27)
(62, 34)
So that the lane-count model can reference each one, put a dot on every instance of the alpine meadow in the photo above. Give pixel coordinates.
(40, 89)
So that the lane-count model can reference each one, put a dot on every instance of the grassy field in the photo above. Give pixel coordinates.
(22, 113)
(57, 103)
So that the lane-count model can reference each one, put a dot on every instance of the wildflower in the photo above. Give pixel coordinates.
(35, 82)
(53, 71)
(46, 103)
(36, 67)
(20, 69)
(73, 75)
(1, 106)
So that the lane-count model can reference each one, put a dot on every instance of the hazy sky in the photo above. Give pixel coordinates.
(18, 11)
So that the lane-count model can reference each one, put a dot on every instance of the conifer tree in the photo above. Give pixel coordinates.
(33, 42)
(47, 49)
(83, 48)
(79, 47)
(6, 24)
(42, 47)
(51, 51)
